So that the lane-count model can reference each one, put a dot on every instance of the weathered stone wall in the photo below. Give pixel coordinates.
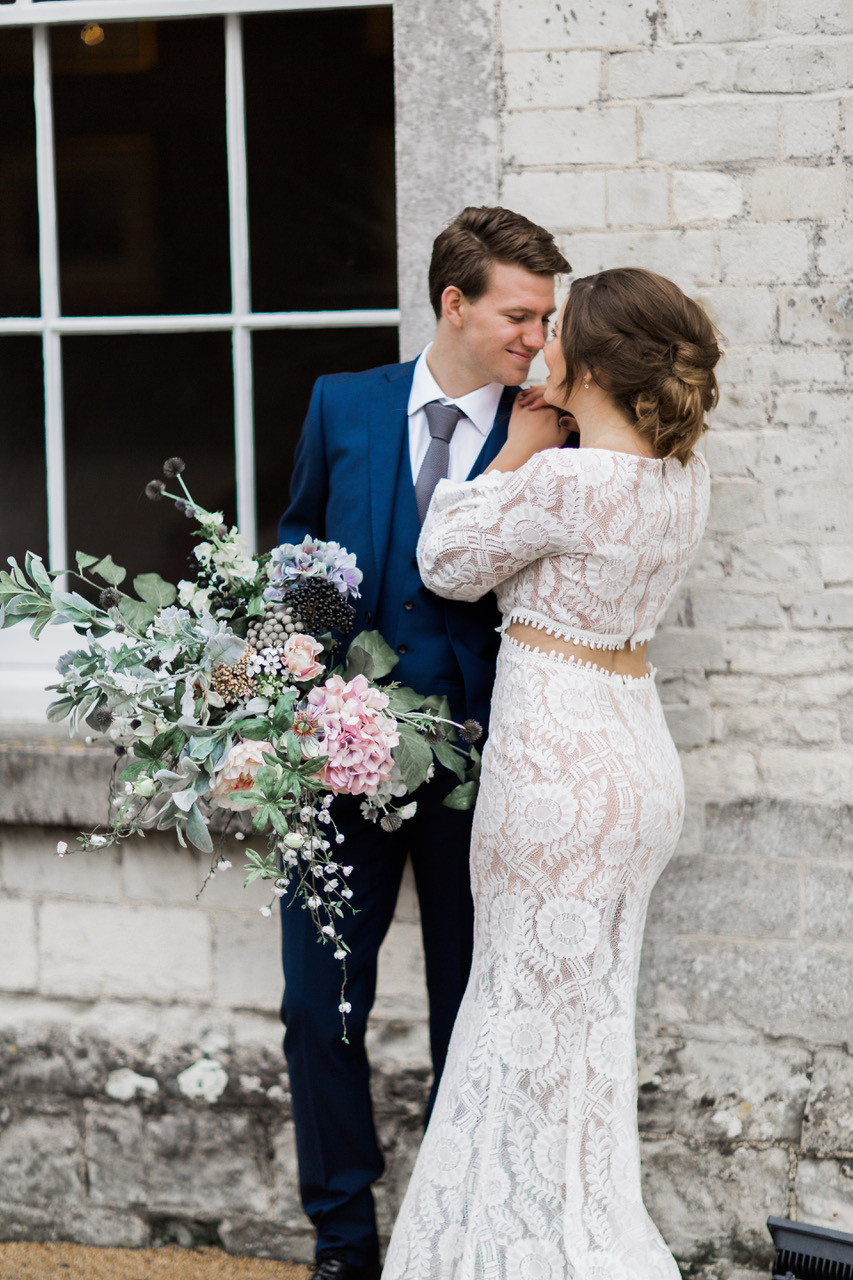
(711, 141)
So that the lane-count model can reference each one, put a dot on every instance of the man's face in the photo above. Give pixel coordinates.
(503, 330)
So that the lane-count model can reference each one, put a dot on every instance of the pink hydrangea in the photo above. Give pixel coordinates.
(238, 771)
(358, 736)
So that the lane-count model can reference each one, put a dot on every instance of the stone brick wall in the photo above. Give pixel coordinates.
(710, 141)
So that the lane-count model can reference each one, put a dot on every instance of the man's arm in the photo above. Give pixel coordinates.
(309, 485)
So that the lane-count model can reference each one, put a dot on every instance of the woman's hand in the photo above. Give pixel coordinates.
(530, 431)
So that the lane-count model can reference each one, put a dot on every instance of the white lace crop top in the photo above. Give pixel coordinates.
(587, 544)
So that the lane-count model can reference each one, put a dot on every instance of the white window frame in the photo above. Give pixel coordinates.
(23, 670)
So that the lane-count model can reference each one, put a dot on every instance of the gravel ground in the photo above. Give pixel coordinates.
(79, 1262)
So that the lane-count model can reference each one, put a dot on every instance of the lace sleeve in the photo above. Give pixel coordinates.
(482, 531)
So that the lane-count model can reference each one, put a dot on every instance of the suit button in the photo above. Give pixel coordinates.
(402, 648)
(408, 605)
(368, 617)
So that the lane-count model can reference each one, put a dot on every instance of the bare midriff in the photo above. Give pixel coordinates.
(621, 662)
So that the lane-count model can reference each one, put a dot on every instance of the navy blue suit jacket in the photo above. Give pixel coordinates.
(344, 487)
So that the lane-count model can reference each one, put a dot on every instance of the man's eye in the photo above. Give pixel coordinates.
(516, 319)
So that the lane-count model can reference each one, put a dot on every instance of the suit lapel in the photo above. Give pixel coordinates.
(388, 434)
(496, 438)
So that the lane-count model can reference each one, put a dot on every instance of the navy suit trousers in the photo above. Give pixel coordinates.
(337, 1147)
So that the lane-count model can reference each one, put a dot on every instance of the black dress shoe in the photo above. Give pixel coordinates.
(332, 1267)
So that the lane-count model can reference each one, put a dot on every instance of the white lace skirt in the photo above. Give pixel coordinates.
(530, 1167)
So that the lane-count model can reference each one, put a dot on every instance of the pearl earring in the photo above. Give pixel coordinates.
(586, 386)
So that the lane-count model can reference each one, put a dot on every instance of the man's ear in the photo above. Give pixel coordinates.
(452, 306)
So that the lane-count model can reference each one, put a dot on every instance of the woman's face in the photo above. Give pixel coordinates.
(556, 392)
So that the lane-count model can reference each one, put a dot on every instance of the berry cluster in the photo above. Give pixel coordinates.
(223, 599)
(319, 606)
(271, 629)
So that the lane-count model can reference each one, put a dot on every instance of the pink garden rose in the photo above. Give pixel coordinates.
(238, 771)
(299, 656)
(358, 737)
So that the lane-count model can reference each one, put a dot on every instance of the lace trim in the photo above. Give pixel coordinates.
(591, 639)
(590, 668)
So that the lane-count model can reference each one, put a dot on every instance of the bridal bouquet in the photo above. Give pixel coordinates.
(228, 692)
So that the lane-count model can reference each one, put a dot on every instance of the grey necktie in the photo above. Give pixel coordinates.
(442, 420)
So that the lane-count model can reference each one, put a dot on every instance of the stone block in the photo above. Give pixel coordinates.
(251, 1237)
(678, 132)
(692, 20)
(711, 1205)
(827, 901)
(53, 781)
(823, 443)
(83, 1224)
(153, 952)
(156, 869)
(19, 971)
(835, 256)
(688, 257)
(828, 1127)
(551, 78)
(407, 910)
(638, 197)
(683, 649)
(31, 866)
(789, 726)
(737, 505)
(710, 608)
(401, 984)
(40, 1160)
(552, 25)
(806, 773)
(781, 192)
(186, 1160)
(789, 565)
(829, 610)
(787, 366)
(836, 565)
(815, 505)
(818, 315)
(718, 773)
(824, 1193)
(761, 829)
(814, 16)
(399, 1043)
(810, 128)
(744, 314)
(575, 135)
(727, 896)
(775, 988)
(286, 1205)
(723, 1090)
(664, 71)
(771, 254)
(743, 406)
(706, 196)
(692, 831)
(768, 653)
(559, 201)
(246, 960)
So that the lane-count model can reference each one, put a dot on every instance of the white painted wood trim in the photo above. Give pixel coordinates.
(367, 319)
(52, 11)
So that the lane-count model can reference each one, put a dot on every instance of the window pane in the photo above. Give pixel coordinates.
(19, 249)
(286, 366)
(23, 482)
(142, 188)
(132, 402)
(320, 139)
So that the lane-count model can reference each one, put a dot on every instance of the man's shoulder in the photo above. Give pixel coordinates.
(364, 377)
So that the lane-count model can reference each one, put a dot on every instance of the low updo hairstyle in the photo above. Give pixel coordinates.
(650, 347)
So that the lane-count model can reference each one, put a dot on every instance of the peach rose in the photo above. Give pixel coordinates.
(299, 655)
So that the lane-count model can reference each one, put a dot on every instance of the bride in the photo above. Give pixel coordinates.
(530, 1166)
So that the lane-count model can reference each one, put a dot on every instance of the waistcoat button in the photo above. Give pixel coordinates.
(408, 605)
(402, 648)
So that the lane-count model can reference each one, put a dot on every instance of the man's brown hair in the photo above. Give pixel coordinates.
(463, 253)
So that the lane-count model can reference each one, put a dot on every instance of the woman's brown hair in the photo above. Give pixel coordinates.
(650, 347)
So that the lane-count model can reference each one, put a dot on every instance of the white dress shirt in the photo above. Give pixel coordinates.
(467, 441)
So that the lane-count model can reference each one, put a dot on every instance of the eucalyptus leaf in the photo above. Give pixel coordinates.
(414, 758)
(151, 588)
(84, 561)
(38, 573)
(60, 709)
(462, 797)
(256, 729)
(359, 663)
(384, 657)
(451, 759)
(111, 572)
(404, 699)
(136, 613)
(438, 704)
(197, 831)
(40, 623)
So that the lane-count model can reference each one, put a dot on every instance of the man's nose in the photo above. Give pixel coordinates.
(534, 336)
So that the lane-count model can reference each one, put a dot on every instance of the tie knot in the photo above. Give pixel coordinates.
(442, 419)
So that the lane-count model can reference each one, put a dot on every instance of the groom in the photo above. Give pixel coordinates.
(373, 447)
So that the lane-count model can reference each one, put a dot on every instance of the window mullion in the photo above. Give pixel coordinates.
(238, 202)
(49, 273)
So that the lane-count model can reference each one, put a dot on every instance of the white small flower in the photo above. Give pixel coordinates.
(238, 835)
(345, 1007)
(293, 840)
(97, 842)
(223, 864)
(430, 774)
(329, 930)
(332, 884)
(327, 800)
(128, 788)
(62, 848)
(266, 911)
(347, 871)
(408, 810)
(314, 903)
(339, 955)
(346, 893)
(339, 838)
(306, 814)
(279, 890)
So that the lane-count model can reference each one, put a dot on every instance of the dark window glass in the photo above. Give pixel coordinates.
(23, 483)
(286, 366)
(131, 402)
(19, 246)
(142, 187)
(320, 141)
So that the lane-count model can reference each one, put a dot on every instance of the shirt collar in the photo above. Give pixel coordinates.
(480, 405)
